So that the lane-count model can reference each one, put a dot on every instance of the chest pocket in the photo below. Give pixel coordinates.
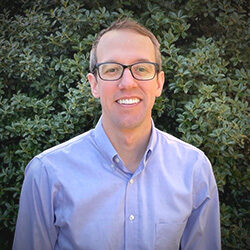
(168, 235)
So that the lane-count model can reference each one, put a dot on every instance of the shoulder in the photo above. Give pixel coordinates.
(182, 154)
(176, 143)
(62, 154)
(80, 141)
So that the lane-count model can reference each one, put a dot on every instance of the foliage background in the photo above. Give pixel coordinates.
(45, 98)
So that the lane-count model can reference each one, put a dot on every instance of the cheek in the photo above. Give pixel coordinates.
(151, 92)
(106, 93)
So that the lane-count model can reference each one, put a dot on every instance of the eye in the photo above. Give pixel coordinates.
(141, 68)
(111, 70)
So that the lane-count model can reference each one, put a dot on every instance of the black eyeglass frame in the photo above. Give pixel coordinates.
(96, 67)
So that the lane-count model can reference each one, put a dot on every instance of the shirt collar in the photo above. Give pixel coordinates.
(103, 142)
(151, 143)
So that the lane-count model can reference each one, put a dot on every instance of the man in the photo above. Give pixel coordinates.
(124, 184)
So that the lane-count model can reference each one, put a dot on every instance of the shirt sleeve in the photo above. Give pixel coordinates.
(35, 228)
(203, 227)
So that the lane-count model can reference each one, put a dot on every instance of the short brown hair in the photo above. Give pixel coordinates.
(120, 24)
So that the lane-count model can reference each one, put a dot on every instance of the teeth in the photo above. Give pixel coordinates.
(128, 101)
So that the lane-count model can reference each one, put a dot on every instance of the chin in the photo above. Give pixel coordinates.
(130, 123)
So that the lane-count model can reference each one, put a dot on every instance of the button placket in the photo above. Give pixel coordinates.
(131, 223)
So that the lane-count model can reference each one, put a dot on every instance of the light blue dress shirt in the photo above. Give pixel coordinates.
(79, 195)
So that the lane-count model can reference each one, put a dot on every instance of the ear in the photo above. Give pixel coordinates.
(94, 85)
(160, 83)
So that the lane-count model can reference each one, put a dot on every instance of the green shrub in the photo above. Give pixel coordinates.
(45, 98)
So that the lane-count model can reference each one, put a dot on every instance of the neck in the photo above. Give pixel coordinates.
(130, 144)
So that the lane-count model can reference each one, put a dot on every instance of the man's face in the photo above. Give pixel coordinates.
(126, 103)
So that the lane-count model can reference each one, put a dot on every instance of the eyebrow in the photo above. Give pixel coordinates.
(136, 61)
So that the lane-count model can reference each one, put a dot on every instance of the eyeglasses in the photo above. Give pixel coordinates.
(142, 71)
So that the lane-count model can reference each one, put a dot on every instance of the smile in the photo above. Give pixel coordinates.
(129, 101)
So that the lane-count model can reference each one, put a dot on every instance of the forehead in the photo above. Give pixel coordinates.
(125, 46)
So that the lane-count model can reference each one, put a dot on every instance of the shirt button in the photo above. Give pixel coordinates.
(117, 160)
(112, 165)
(131, 181)
(131, 217)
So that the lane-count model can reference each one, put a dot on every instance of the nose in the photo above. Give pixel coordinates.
(127, 81)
